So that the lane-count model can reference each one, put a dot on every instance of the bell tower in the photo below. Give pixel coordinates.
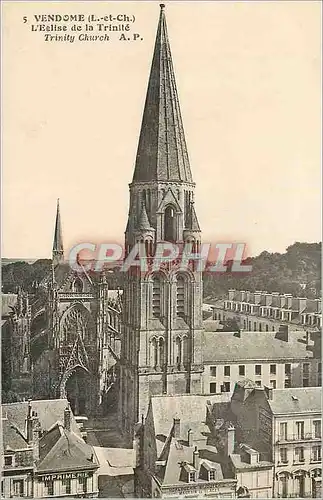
(163, 333)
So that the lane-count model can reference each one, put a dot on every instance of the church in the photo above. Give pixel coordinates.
(162, 340)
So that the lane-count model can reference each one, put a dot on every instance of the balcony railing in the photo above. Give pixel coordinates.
(308, 436)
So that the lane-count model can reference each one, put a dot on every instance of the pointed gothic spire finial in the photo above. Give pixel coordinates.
(58, 249)
(143, 222)
(162, 153)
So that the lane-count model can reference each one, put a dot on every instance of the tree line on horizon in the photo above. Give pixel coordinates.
(297, 271)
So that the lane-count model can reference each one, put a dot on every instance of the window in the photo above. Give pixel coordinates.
(258, 369)
(258, 383)
(77, 285)
(306, 369)
(227, 371)
(180, 292)
(299, 454)
(170, 224)
(83, 484)
(225, 387)
(242, 370)
(267, 328)
(273, 384)
(272, 369)
(212, 475)
(316, 454)
(18, 487)
(49, 485)
(191, 477)
(306, 382)
(283, 430)
(283, 455)
(213, 371)
(7, 461)
(288, 368)
(156, 297)
(317, 428)
(287, 383)
(300, 430)
(67, 484)
(319, 374)
(212, 388)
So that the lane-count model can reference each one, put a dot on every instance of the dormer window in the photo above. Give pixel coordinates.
(212, 475)
(191, 477)
(8, 461)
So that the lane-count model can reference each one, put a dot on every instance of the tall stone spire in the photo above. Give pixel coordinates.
(162, 153)
(58, 249)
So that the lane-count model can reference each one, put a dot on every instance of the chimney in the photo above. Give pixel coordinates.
(283, 333)
(29, 422)
(269, 392)
(177, 428)
(190, 437)
(35, 437)
(196, 457)
(67, 418)
(230, 439)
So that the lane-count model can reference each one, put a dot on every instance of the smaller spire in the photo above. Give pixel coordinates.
(192, 222)
(143, 223)
(58, 249)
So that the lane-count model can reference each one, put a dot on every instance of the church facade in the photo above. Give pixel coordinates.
(162, 310)
(64, 342)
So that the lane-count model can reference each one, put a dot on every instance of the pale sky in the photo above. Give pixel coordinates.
(249, 81)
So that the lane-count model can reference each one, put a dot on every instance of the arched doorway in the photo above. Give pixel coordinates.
(78, 391)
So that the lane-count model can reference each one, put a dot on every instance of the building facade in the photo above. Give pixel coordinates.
(286, 425)
(275, 359)
(162, 309)
(44, 454)
(65, 340)
(263, 311)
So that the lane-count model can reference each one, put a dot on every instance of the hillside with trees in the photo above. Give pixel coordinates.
(297, 271)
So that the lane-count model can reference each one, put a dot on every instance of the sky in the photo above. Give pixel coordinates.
(249, 81)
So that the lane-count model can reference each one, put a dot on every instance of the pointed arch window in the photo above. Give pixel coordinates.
(161, 349)
(180, 296)
(78, 285)
(170, 224)
(156, 297)
(154, 353)
(178, 352)
(185, 351)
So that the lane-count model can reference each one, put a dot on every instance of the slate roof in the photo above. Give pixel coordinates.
(115, 461)
(63, 450)
(12, 439)
(296, 400)
(229, 347)
(49, 411)
(188, 407)
(180, 457)
(162, 153)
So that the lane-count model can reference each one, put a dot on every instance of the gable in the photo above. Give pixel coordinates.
(169, 199)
